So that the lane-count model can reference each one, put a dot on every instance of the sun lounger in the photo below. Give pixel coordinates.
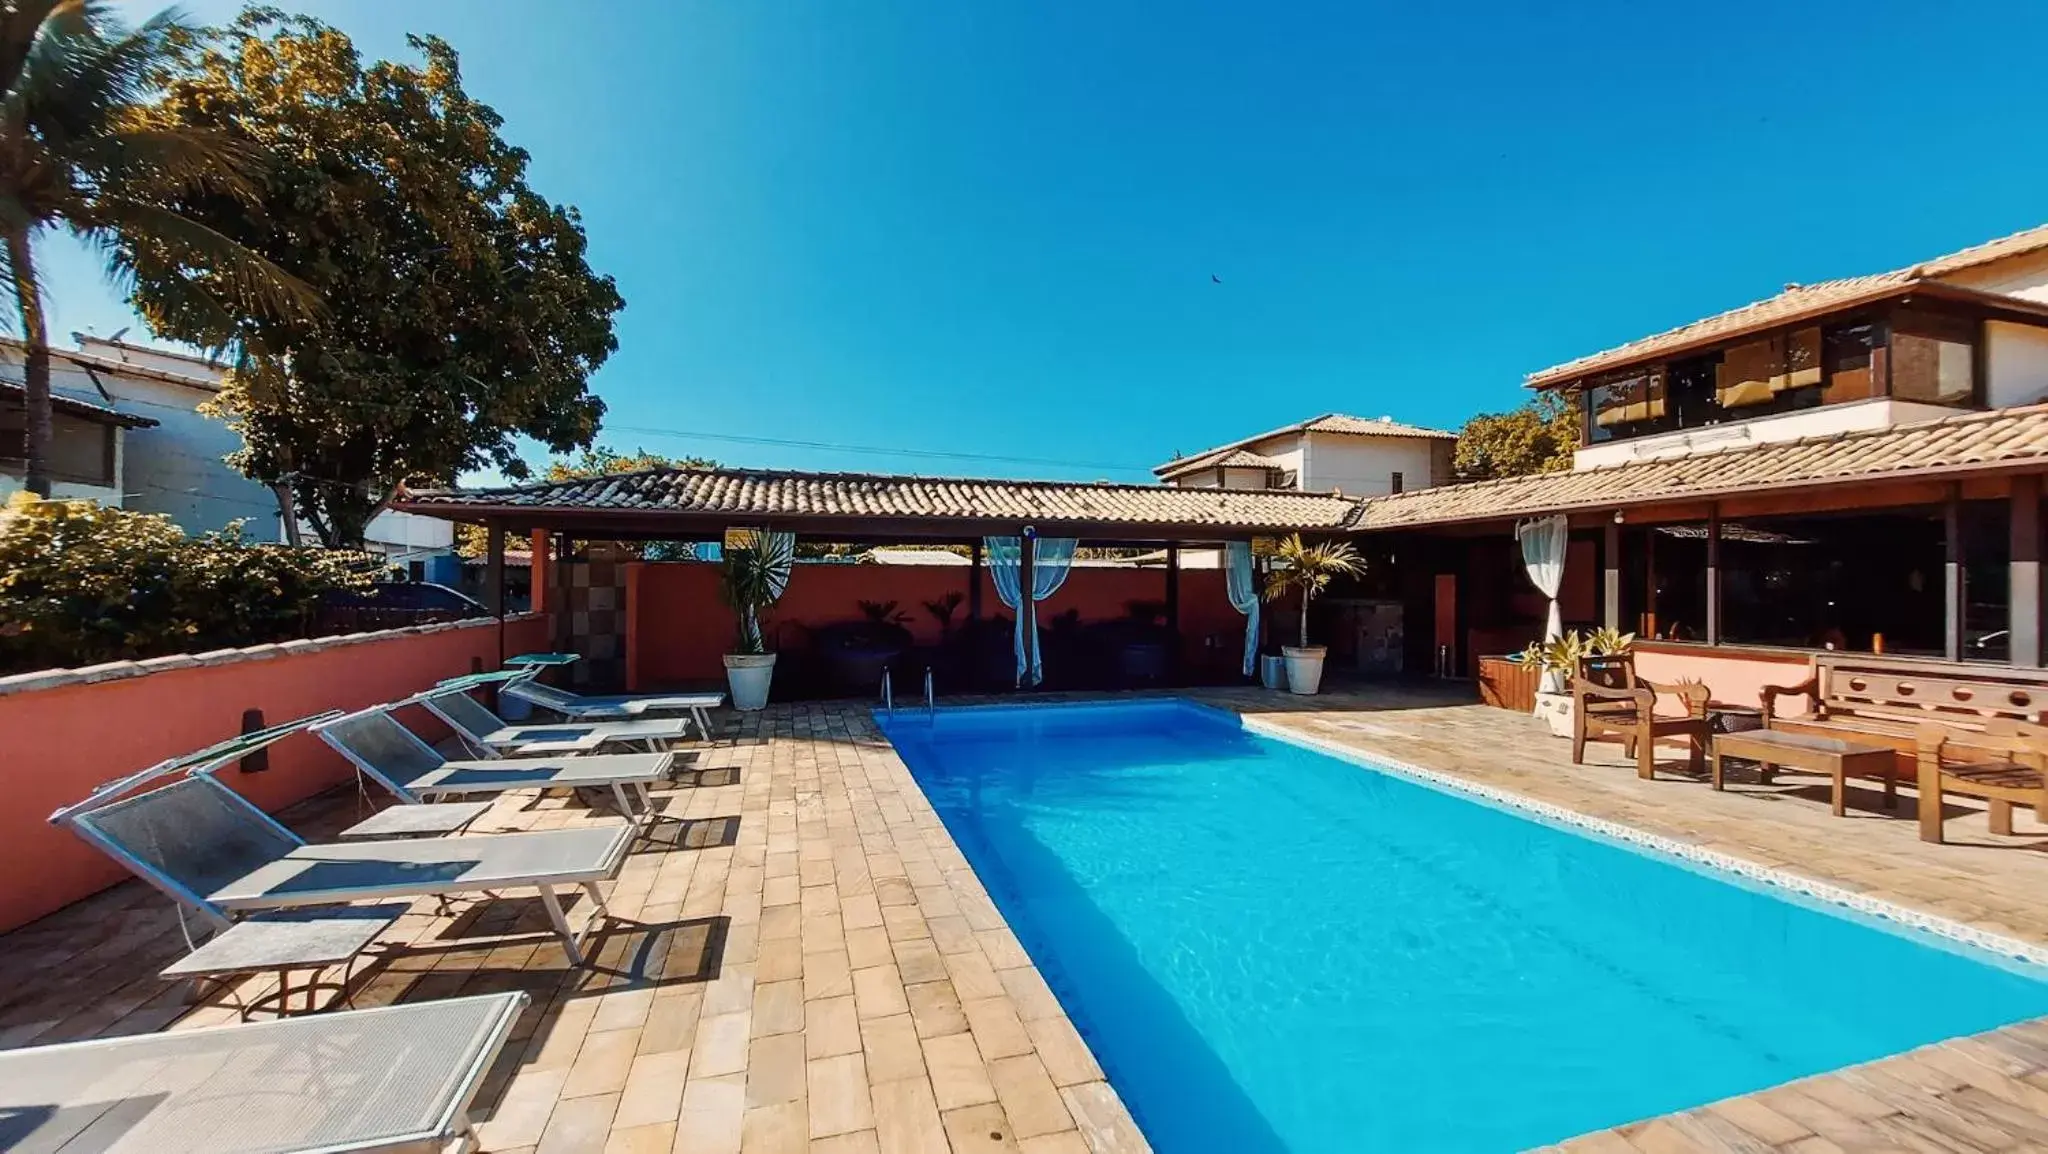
(396, 759)
(212, 850)
(388, 1079)
(582, 708)
(487, 735)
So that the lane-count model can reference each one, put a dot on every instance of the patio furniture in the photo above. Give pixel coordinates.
(438, 820)
(388, 1079)
(281, 941)
(1611, 703)
(209, 848)
(1813, 753)
(1885, 700)
(395, 758)
(582, 708)
(2003, 768)
(487, 735)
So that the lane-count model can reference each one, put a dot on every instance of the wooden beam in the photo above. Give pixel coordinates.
(974, 581)
(1610, 577)
(1952, 577)
(2025, 579)
(494, 581)
(537, 574)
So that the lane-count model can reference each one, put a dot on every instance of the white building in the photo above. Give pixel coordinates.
(88, 453)
(165, 455)
(1333, 453)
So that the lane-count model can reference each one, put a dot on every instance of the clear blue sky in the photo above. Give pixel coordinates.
(990, 227)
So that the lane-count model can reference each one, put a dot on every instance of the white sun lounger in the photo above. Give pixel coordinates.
(398, 760)
(488, 735)
(210, 849)
(576, 705)
(387, 1079)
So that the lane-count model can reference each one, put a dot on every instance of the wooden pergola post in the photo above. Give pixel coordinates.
(1173, 613)
(494, 580)
(974, 581)
(1714, 575)
(537, 575)
(1952, 576)
(1610, 575)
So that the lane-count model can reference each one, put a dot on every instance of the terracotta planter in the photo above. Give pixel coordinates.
(748, 676)
(1304, 667)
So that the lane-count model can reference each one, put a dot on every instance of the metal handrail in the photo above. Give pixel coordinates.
(888, 695)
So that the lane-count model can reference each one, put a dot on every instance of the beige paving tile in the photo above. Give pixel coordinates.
(997, 1029)
(826, 974)
(1102, 1119)
(979, 1130)
(839, 1100)
(858, 1142)
(721, 1045)
(959, 1078)
(936, 1009)
(1029, 994)
(657, 1139)
(906, 1119)
(775, 1070)
(654, 1090)
(778, 1008)
(831, 1027)
(1067, 1058)
(601, 1066)
(521, 1114)
(776, 1129)
(951, 934)
(671, 1022)
(579, 1125)
(869, 947)
(878, 991)
(892, 1049)
(919, 960)
(1028, 1096)
(1064, 1142)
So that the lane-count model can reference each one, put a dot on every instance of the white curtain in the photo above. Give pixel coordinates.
(1050, 561)
(1243, 587)
(1543, 544)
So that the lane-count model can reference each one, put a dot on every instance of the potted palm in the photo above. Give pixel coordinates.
(754, 573)
(1558, 659)
(1308, 569)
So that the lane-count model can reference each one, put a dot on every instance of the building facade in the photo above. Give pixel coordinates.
(1333, 453)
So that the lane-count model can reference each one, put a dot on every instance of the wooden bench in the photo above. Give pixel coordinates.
(1885, 700)
(2004, 767)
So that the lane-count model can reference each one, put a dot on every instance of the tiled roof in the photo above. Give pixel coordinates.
(768, 494)
(1953, 445)
(1223, 459)
(1797, 302)
(90, 410)
(1340, 423)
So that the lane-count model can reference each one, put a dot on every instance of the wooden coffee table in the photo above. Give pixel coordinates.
(1778, 749)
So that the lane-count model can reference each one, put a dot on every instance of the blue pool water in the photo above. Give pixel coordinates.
(1271, 949)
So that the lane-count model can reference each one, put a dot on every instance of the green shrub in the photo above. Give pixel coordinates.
(82, 583)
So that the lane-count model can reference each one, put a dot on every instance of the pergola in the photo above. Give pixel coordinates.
(698, 505)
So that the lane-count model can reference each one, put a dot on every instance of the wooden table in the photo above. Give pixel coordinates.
(1772, 748)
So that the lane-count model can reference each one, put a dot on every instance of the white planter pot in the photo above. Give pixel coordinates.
(1304, 667)
(748, 675)
(1556, 709)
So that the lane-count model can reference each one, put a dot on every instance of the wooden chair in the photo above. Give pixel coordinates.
(2006, 765)
(1611, 703)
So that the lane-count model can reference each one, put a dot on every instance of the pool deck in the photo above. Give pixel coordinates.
(809, 964)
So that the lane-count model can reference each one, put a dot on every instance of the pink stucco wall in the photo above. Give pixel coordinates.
(1736, 680)
(57, 743)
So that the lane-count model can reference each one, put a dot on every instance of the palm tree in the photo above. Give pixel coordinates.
(77, 154)
(1309, 569)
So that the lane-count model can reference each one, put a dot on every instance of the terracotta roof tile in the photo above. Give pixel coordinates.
(1339, 423)
(757, 493)
(1798, 301)
(1951, 445)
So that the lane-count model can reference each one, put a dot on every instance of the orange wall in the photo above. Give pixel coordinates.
(56, 744)
(677, 630)
(1732, 679)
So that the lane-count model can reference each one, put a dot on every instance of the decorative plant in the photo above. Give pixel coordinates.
(883, 612)
(1560, 656)
(1309, 569)
(754, 573)
(942, 611)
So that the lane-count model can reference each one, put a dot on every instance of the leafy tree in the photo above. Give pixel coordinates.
(460, 308)
(79, 154)
(1537, 438)
(82, 583)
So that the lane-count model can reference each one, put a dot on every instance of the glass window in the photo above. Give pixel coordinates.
(1987, 580)
(1677, 563)
(1628, 404)
(1852, 362)
(81, 450)
(1933, 358)
(1861, 582)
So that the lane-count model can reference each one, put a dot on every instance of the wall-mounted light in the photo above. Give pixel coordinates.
(1619, 517)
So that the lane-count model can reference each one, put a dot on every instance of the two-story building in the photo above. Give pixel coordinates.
(1333, 453)
(88, 450)
(1850, 465)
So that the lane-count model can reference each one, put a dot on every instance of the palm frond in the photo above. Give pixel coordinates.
(83, 76)
(180, 161)
(250, 280)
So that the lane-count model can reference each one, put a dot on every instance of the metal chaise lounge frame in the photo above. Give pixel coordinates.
(474, 724)
(212, 850)
(394, 1078)
(615, 706)
(396, 758)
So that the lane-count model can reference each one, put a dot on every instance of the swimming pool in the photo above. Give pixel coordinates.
(1274, 949)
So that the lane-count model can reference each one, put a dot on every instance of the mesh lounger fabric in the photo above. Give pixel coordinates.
(576, 705)
(481, 728)
(408, 767)
(361, 871)
(358, 1080)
